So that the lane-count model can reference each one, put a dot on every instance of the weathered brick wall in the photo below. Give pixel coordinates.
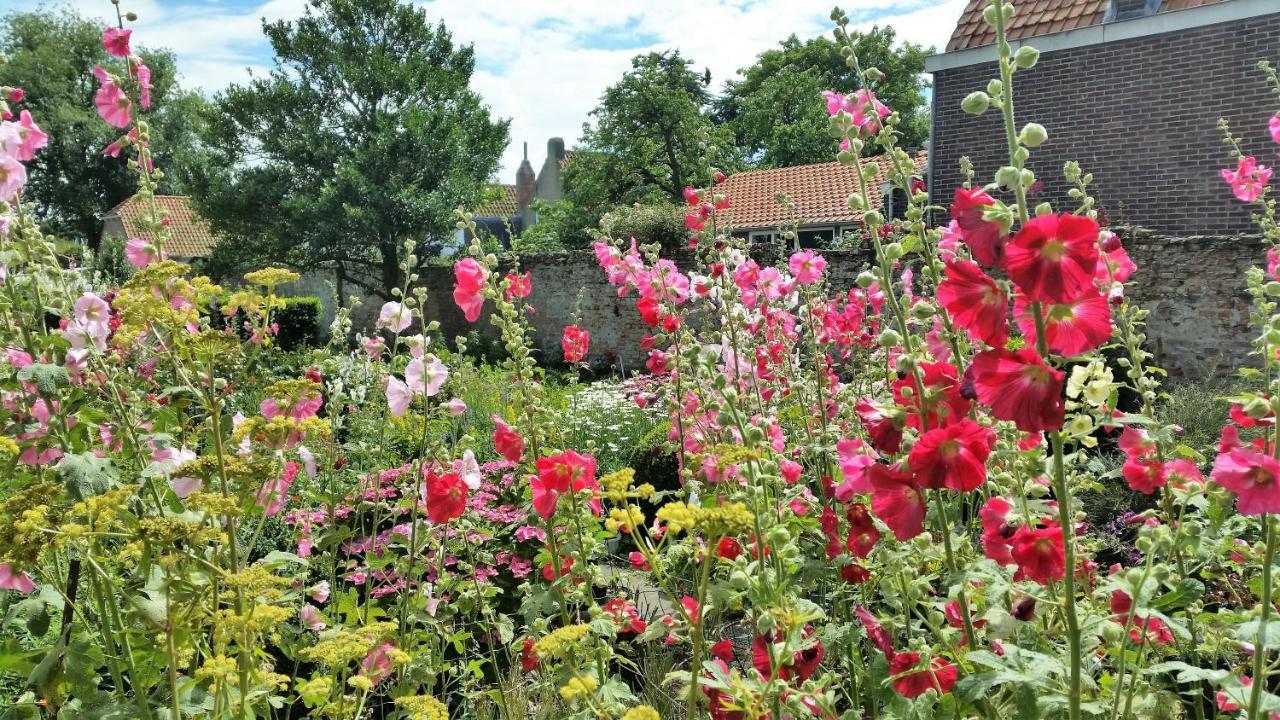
(1140, 114)
(1193, 286)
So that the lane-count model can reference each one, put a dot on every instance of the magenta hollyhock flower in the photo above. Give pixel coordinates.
(1251, 475)
(23, 138)
(952, 456)
(910, 680)
(1144, 476)
(470, 278)
(975, 302)
(1039, 553)
(1070, 328)
(507, 441)
(1052, 258)
(116, 41)
(575, 343)
(144, 85)
(985, 239)
(139, 253)
(897, 500)
(1020, 387)
(1248, 179)
(807, 267)
(377, 664)
(113, 105)
(1274, 126)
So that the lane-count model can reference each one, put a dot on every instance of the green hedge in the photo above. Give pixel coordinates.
(299, 322)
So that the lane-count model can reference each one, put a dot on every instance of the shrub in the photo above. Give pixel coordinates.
(656, 222)
(299, 322)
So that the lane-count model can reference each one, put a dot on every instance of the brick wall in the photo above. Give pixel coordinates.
(1140, 114)
(1193, 286)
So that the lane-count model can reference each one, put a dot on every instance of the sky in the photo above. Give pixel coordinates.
(541, 63)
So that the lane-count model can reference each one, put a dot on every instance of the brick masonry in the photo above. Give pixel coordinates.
(1140, 114)
(1193, 286)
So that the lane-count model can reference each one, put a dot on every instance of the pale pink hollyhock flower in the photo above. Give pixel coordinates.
(311, 619)
(1248, 179)
(308, 461)
(184, 486)
(1274, 127)
(113, 105)
(394, 317)
(76, 362)
(807, 266)
(399, 396)
(320, 591)
(139, 252)
(456, 406)
(83, 336)
(435, 374)
(471, 470)
(377, 664)
(9, 580)
(23, 138)
(93, 312)
(275, 494)
(116, 41)
(417, 345)
(144, 85)
(13, 176)
(18, 358)
(373, 347)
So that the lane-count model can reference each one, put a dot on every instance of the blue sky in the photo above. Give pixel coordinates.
(541, 63)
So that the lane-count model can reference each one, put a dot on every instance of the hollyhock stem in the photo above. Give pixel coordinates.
(1259, 646)
(970, 638)
(1066, 522)
(1006, 106)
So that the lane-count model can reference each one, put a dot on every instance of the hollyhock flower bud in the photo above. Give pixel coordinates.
(1024, 609)
(16, 95)
(1033, 135)
(889, 338)
(1026, 56)
(866, 279)
(976, 102)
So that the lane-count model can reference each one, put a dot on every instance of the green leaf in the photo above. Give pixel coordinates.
(1187, 590)
(1188, 673)
(84, 657)
(86, 475)
(280, 557)
(1248, 632)
(47, 378)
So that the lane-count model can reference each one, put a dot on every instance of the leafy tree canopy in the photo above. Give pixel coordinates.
(366, 134)
(51, 54)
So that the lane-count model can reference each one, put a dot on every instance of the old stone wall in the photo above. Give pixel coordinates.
(1193, 286)
(1140, 114)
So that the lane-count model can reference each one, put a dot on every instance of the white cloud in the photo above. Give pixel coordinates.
(541, 63)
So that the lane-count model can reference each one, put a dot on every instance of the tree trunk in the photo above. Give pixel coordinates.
(390, 264)
(677, 182)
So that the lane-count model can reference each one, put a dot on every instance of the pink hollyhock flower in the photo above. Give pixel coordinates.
(18, 358)
(320, 591)
(116, 41)
(446, 497)
(394, 317)
(854, 466)
(1144, 476)
(17, 581)
(911, 680)
(13, 176)
(144, 85)
(867, 111)
(1018, 386)
(1182, 471)
(93, 312)
(1039, 553)
(507, 441)
(1052, 259)
(456, 406)
(518, 286)
(16, 94)
(575, 343)
(1070, 328)
(113, 105)
(985, 239)
(897, 500)
(139, 253)
(470, 279)
(311, 619)
(975, 302)
(275, 493)
(953, 456)
(399, 395)
(883, 425)
(1248, 179)
(1273, 125)
(1224, 701)
(24, 138)
(377, 664)
(426, 375)
(184, 486)
(1157, 633)
(1251, 475)
(559, 474)
(863, 534)
(807, 267)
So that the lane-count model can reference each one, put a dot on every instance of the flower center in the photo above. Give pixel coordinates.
(1053, 250)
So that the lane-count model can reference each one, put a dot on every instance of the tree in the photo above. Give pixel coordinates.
(51, 55)
(645, 142)
(776, 111)
(364, 135)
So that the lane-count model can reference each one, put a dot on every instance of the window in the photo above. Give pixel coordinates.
(816, 237)
(765, 236)
(1130, 9)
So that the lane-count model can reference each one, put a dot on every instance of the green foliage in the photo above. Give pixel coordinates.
(562, 225)
(51, 54)
(656, 222)
(364, 135)
(776, 111)
(299, 322)
(109, 261)
(1200, 409)
(647, 139)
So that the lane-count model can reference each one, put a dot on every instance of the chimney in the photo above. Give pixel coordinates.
(555, 148)
(525, 180)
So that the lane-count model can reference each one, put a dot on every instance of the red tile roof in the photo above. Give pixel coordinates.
(820, 193)
(190, 236)
(1041, 17)
(505, 205)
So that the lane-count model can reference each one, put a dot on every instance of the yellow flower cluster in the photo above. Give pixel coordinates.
(346, 646)
(271, 277)
(561, 641)
(144, 302)
(256, 581)
(218, 668)
(22, 517)
(713, 521)
(213, 504)
(624, 520)
(578, 686)
(360, 682)
(103, 511)
(260, 619)
(316, 690)
(8, 448)
(641, 712)
(277, 431)
(617, 486)
(424, 707)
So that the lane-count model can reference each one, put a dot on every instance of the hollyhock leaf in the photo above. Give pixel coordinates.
(1188, 673)
(86, 475)
(277, 558)
(47, 378)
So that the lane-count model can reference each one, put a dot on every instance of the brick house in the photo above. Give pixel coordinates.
(190, 236)
(513, 207)
(818, 195)
(1132, 89)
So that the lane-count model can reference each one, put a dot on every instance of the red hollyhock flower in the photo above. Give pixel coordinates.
(729, 548)
(803, 661)
(942, 403)
(897, 500)
(549, 570)
(650, 312)
(1154, 628)
(528, 658)
(911, 682)
(639, 561)
(575, 343)
(996, 532)
(975, 302)
(722, 650)
(1019, 386)
(955, 615)
(985, 240)
(830, 524)
(1053, 257)
(855, 574)
(1069, 328)
(954, 456)
(863, 534)
(507, 441)
(518, 286)
(1039, 553)
(557, 474)
(883, 425)
(690, 606)
(1144, 476)
(446, 497)
(875, 631)
(1251, 475)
